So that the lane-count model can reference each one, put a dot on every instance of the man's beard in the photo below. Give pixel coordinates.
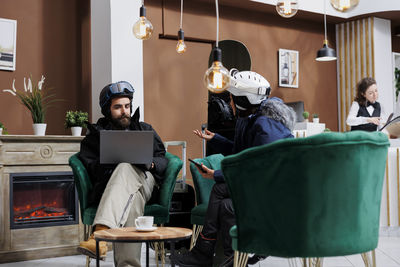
(122, 122)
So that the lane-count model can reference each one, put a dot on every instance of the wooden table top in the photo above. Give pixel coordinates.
(130, 233)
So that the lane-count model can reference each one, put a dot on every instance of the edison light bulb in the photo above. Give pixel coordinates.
(142, 29)
(287, 8)
(344, 5)
(181, 46)
(217, 77)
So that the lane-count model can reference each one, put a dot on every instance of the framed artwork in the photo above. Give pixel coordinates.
(8, 44)
(288, 68)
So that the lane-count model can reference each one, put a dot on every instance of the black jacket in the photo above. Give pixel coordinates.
(101, 173)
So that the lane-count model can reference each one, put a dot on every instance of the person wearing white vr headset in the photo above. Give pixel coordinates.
(261, 120)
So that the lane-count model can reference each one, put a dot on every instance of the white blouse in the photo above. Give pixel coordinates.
(353, 120)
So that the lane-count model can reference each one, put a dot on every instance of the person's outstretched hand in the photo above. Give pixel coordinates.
(207, 135)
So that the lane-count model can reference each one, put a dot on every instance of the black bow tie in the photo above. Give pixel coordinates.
(375, 104)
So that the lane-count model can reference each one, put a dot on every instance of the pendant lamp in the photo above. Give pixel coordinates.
(217, 77)
(143, 28)
(181, 46)
(325, 53)
(287, 8)
(344, 5)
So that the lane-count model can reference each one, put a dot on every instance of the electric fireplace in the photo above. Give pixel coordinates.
(42, 199)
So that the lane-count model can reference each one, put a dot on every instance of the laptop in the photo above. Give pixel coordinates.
(134, 147)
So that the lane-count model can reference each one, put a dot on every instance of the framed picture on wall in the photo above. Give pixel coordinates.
(8, 44)
(288, 68)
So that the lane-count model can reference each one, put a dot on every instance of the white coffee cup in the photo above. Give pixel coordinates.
(144, 222)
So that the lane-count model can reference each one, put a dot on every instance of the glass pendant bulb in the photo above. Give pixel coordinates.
(181, 46)
(217, 78)
(344, 5)
(143, 28)
(287, 8)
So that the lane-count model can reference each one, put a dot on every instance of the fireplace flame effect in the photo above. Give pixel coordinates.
(40, 210)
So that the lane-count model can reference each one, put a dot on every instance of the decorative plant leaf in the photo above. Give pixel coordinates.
(35, 99)
(76, 118)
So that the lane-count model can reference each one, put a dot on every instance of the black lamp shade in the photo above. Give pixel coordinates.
(326, 54)
(142, 12)
(180, 34)
(217, 54)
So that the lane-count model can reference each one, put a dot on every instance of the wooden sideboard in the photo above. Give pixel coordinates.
(28, 153)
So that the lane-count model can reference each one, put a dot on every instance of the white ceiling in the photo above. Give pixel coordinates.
(364, 7)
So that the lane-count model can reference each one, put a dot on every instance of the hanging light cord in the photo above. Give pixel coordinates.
(217, 11)
(325, 19)
(181, 14)
(142, 2)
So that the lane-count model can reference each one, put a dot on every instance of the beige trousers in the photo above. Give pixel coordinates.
(122, 202)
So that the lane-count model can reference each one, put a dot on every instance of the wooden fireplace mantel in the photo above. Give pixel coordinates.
(29, 153)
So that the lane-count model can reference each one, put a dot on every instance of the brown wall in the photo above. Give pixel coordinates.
(175, 97)
(396, 44)
(53, 40)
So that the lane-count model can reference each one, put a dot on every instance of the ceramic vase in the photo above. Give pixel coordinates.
(76, 131)
(315, 120)
(39, 129)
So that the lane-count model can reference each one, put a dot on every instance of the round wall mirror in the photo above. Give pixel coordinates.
(234, 55)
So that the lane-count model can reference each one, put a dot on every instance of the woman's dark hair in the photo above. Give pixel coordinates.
(362, 86)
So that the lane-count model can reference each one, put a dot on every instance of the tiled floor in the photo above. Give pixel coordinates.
(387, 254)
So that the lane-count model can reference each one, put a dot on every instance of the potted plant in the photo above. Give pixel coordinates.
(315, 118)
(36, 101)
(3, 129)
(306, 114)
(76, 120)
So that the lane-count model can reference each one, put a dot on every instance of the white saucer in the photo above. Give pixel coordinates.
(150, 229)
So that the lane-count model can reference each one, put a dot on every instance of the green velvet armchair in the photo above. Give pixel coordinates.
(159, 210)
(310, 197)
(203, 189)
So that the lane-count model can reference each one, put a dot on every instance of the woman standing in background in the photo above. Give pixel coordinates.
(366, 113)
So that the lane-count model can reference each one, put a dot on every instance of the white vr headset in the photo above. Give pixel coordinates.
(245, 82)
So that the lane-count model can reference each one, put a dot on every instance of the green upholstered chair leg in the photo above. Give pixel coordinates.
(369, 258)
(306, 262)
(313, 262)
(196, 231)
(87, 261)
(87, 229)
(159, 251)
(240, 259)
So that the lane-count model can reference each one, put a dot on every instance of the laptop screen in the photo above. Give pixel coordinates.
(126, 146)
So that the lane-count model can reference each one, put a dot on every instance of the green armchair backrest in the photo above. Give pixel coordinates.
(308, 197)
(167, 189)
(82, 180)
(203, 186)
